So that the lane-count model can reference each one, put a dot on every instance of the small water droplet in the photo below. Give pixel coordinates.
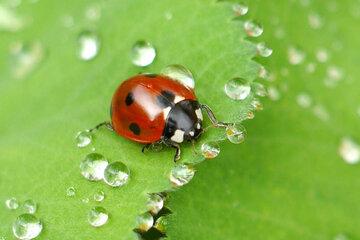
(273, 93)
(236, 133)
(310, 68)
(12, 203)
(155, 203)
(93, 166)
(9, 21)
(27, 226)
(116, 174)
(304, 100)
(253, 29)
(295, 56)
(97, 216)
(240, 9)
(83, 138)
(144, 222)
(257, 105)
(93, 12)
(320, 112)
(30, 206)
(181, 174)
(143, 53)
(99, 196)
(168, 15)
(161, 224)
(259, 89)
(88, 45)
(67, 21)
(237, 89)
(85, 200)
(263, 50)
(333, 75)
(315, 21)
(179, 73)
(210, 149)
(70, 192)
(341, 236)
(322, 55)
(349, 150)
(264, 74)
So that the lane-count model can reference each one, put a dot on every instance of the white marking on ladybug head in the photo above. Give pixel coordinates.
(199, 114)
(178, 136)
(166, 112)
(191, 133)
(198, 126)
(178, 99)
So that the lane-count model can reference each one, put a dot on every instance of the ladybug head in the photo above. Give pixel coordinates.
(184, 122)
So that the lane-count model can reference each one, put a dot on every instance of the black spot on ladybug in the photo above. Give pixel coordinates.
(151, 75)
(134, 128)
(129, 99)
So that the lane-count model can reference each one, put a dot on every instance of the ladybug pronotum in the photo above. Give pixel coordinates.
(152, 109)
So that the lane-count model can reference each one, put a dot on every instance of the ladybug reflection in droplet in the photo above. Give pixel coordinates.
(155, 109)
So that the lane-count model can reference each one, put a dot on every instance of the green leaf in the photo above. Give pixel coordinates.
(44, 105)
(288, 180)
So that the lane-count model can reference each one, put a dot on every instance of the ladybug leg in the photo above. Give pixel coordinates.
(177, 152)
(106, 124)
(156, 146)
(212, 117)
(145, 147)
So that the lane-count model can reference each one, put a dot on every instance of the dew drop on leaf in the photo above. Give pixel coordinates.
(210, 150)
(93, 166)
(155, 203)
(255, 103)
(237, 88)
(143, 53)
(263, 73)
(93, 12)
(321, 112)
(9, 21)
(12, 203)
(310, 68)
(295, 56)
(274, 93)
(315, 21)
(70, 192)
(99, 196)
(304, 100)
(180, 73)
(259, 89)
(83, 138)
(144, 222)
(27, 226)
(236, 133)
(116, 174)
(67, 21)
(97, 216)
(181, 174)
(240, 9)
(349, 150)
(88, 45)
(341, 236)
(263, 50)
(85, 200)
(253, 29)
(322, 55)
(161, 224)
(30, 206)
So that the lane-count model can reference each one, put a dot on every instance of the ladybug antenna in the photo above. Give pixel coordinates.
(212, 117)
(103, 124)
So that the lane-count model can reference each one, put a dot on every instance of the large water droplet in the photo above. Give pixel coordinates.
(237, 89)
(210, 150)
(88, 45)
(12, 203)
(253, 29)
(349, 150)
(161, 224)
(263, 50)
(93, 166)
(295, 56)
(304, 100)
(155, 203)
(240, 9)
(97, 216)
(99, 196)
(9, 21)
(144, 222)
(83, 138)
(27, 226)
(30, 206)
(181, 174)
(179, 73)
(143, 53)
(116, 174)
(236, 133)
(70, 192)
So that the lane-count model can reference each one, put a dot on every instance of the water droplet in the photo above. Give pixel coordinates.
(263, 50)
(85, 200)
(341, 236)
(236, 133)
(180, 73)
(253, 29)
(97, 216)
(295, 56)
(144, 222)
(116, 174)
(237, 89)
(315, 21)
(161, 224)
(30, 206)
(259, 89)
(12, 203)
(93, 12)
(320, 112)
(273, 93)
(210, 149)
(263, 73)
(25, 58)
(70, 192)
(168, 15)
(333, 75)
(349, 150)
(240, 9)
(67, 21)
(181, 174)
(310, 68)
(257, 104)
(143, 53)
(304, 100)
(27, 226)
(99, 196)
(88, 45)
(155, 203)
(93, 166)
(322, 55)
(9, 21)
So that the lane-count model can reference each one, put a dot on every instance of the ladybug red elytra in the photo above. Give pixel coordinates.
(152, 109)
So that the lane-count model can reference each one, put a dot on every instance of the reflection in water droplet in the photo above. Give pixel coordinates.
(315, 21)
(144, 222)
(273, 93)
(12, 203)
(253, 29)
(116, 174)
(349, 150)
(210, 149)
(237, 89)
(263, 50)
(93, 166)
(83, 138)
(322, 55)
(155, 203)
(259, 89)
(320, 112)
(25, 58)
(99, 196)
(181, 174)
(180, 73)
(143, 53)
(236, 133)
(97, 216)
(27, 226)
(161, 224)
(30, 206)
(240, 9)
(295, 56)
(304, 100)
(88, 45)
(9, 21)
(70, 192)
(93, 12)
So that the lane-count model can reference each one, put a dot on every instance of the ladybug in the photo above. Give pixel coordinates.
(156, 109)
